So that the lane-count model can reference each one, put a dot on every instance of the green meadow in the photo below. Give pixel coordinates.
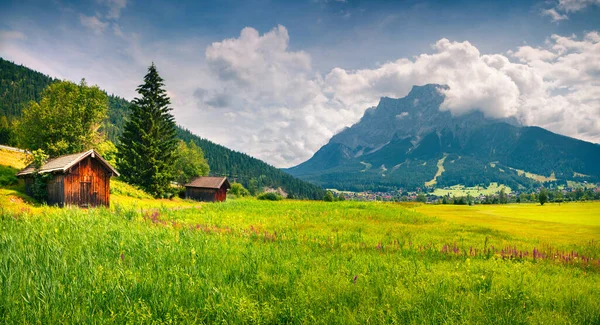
(147, 261)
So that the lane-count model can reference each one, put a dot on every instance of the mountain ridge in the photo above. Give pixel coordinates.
(406, 136)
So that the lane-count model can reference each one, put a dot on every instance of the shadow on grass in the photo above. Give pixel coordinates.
(12, 189)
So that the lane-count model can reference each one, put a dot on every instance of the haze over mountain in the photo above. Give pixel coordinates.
(405, 142)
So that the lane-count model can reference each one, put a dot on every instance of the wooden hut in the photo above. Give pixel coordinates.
(207, 189)
(81, 179)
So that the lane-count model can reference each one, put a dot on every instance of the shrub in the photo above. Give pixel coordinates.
(7, 176)
(270, 196)
(543, 197)
(238, 190)
(328, 197)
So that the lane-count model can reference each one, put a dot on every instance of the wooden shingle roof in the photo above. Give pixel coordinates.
(63, 163)
(209, 182)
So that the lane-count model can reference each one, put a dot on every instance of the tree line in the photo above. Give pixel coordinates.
(251, 172)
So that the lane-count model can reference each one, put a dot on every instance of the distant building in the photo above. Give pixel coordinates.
(207, 189)
(80, 179)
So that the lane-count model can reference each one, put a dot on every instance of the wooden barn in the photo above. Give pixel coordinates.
(81, 179)
(207, 189)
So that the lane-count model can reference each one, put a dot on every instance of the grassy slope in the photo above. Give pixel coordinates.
(440, 171)
(13, 199)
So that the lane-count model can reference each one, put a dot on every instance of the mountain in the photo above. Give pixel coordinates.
(406, 142)
(19, 85)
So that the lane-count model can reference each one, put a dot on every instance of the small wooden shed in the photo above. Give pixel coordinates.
(207, 189)
(80, 179)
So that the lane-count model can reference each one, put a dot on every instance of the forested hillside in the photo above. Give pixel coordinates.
(19, 85)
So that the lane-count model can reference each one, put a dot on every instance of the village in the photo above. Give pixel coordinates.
(589, 192)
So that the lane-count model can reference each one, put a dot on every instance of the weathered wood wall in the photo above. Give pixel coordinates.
(205, 194)
(87, 185)
(56, 190)
(221, 195)
(56, 193)
(200, 194)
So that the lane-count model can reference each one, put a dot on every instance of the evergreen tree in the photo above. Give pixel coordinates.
(147, 148)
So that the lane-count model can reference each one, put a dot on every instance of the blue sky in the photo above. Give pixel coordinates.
(300, 71)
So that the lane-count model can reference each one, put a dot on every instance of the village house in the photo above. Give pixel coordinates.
(207, 189)
(80, 179)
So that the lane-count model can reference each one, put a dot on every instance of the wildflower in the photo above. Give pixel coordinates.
(355, 278)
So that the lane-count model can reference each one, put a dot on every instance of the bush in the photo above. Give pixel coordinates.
(270, 196)
(238, 190)
(7, 176)
(328, 197)
(543, 196)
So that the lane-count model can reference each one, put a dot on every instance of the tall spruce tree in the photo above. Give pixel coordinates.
(146, 150)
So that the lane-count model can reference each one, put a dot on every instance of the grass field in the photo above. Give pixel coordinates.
(248, 261)
(147, 261)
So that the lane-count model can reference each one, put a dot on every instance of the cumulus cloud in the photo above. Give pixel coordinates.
(252, 93)
(283, 111)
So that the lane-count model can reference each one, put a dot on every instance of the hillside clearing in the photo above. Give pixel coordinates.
(461, 190)
(536, 177)
(440, 171)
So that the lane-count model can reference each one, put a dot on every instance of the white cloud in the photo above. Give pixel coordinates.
(282, 111)
(563, 7)
(555, 15)
(576, 5)
(254, 94)
(96, 22)
(93, 23)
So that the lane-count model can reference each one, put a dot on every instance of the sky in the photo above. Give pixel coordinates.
(277, 79)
